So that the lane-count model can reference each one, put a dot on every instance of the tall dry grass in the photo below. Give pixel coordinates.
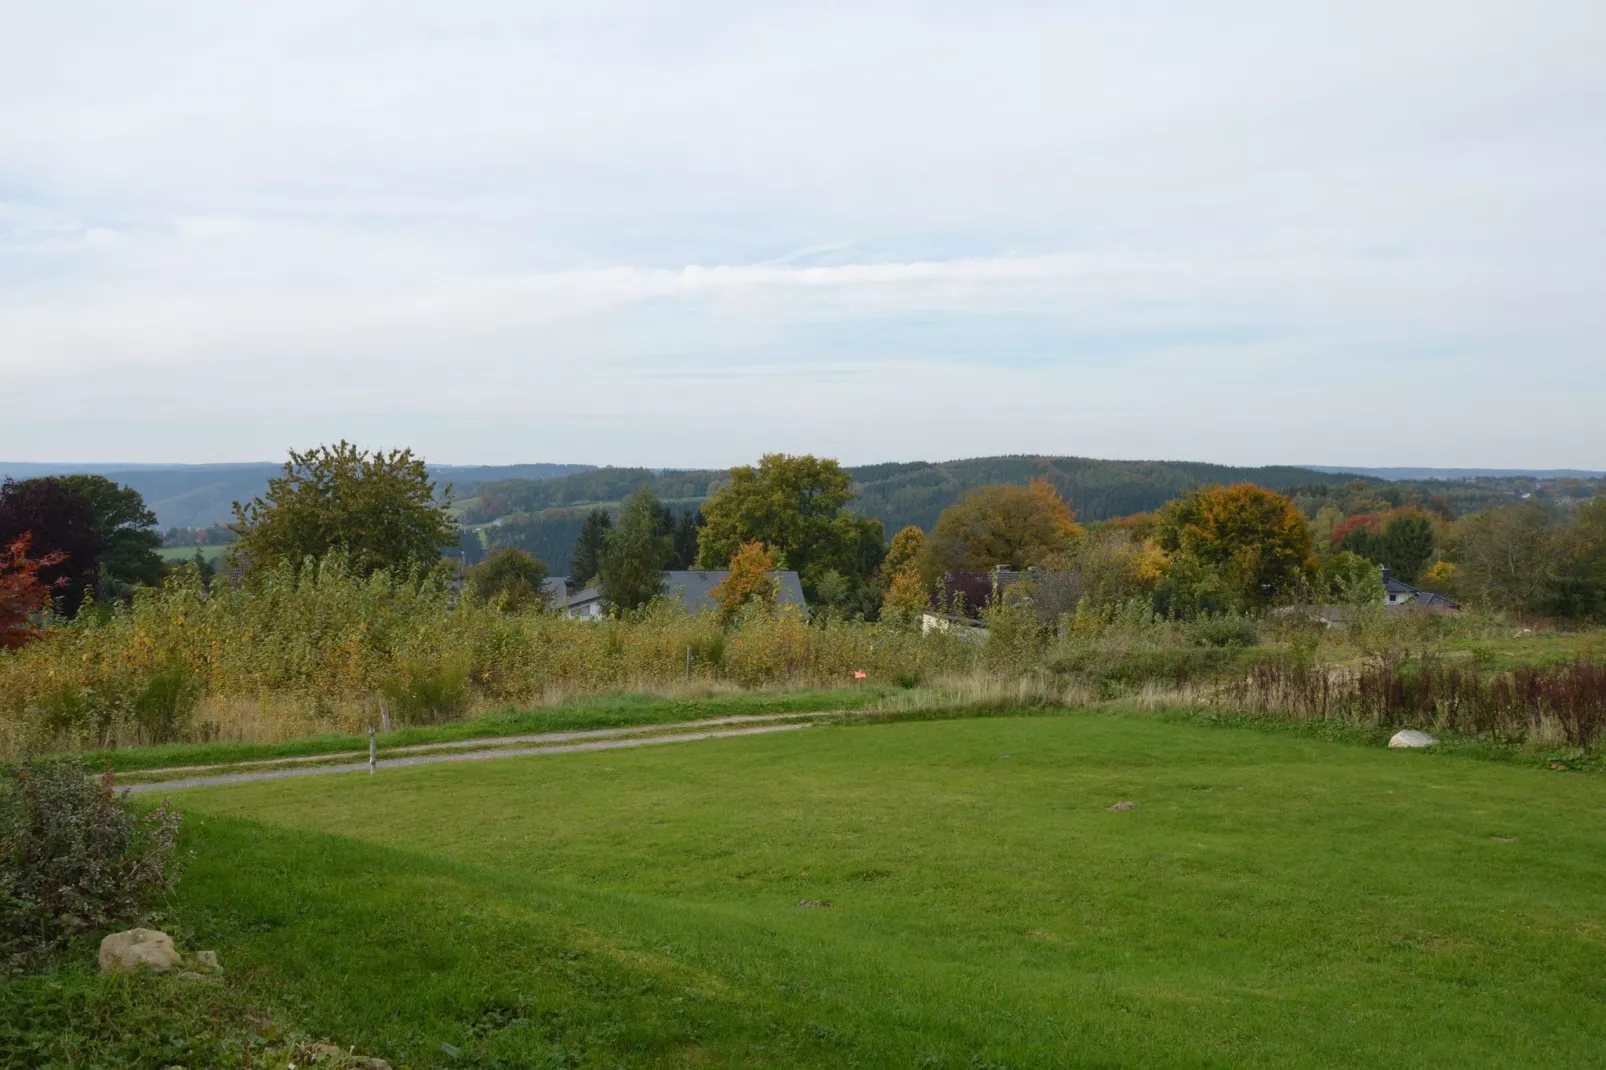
(296, 654)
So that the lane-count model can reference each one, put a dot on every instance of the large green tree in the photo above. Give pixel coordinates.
(795, 506)
(511, 579)
(127, 529)
(1256, 540)
(631, 569)
(1407, 544)
(1578, 589)
(378, 508)
(1505, 558)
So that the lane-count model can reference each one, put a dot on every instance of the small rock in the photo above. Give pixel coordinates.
(1123, 806)
(1410, 737)
(126, 952)
(207, 960)
(813, 902)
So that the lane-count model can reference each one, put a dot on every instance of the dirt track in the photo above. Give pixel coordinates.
(467, 756)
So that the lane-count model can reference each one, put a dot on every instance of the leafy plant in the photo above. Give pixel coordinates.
(74, 855)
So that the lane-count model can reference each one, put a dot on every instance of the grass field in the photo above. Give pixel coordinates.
(1273, 900)
(187, 553)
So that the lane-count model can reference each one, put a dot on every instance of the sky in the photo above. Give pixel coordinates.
(683, 235)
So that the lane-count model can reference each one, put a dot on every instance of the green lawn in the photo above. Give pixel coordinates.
(1273, 901)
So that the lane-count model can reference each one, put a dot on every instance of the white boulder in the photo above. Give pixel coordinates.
(1410, 737)
(127, 951)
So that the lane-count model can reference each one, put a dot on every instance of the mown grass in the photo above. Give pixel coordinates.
(576, 714)
(1273, 900)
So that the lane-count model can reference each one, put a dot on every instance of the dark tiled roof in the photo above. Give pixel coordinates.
(694, 588)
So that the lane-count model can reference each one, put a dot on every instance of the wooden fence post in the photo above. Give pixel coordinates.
(373, 751)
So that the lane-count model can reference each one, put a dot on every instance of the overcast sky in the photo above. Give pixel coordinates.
(685, 234)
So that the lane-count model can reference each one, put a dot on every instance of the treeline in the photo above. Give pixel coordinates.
(541, 517)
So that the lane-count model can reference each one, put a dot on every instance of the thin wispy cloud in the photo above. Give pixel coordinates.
(623, 233)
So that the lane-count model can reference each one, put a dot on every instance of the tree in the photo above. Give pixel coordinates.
(1351, 579)
(1578, 590)
(1003, 525)
(907, 596)
(1257, 540)
(127, 529)
(795, 507)
(62, 525)
(749, 580)
(1407, 544)
(1505, 558)
(631, 569)
(685, 536)
(907, 550)
(589, 547)
(22, 592)
(379, 509)
(512, 580)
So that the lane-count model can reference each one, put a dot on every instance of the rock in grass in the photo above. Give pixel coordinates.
(811, 904)
(1410, 737)
(1123, 806)
(127, 951)
(207, 960)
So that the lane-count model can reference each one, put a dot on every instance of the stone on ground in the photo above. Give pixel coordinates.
(1410, 737)
(127, 951)
(1124, 805)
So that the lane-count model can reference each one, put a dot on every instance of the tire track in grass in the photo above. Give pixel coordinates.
(470, 756)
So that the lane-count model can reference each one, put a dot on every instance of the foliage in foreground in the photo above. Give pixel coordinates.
(326, 644)
(74, 855)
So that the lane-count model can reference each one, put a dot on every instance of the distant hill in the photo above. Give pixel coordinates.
(544, 517)
(1464, 473)
(198, 495)
(916, 492)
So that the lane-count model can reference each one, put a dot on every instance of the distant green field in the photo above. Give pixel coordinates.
(187, 553)
(1272, 901)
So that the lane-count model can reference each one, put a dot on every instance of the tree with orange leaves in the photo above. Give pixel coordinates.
(22, 594)
(1003, 525)
(749, 580)
(1255, 539)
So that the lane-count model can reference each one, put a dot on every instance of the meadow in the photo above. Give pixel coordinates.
(943, 893)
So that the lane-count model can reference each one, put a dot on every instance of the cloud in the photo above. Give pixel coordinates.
(1251, 232)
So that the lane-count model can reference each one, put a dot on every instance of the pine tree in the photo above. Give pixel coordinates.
(588, 547)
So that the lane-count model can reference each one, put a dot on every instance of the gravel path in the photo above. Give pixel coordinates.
(487, 742)
(469, 756)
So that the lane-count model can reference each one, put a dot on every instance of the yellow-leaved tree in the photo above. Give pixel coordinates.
(749, 580)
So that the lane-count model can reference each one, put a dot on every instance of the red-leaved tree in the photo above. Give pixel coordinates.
(22, 593)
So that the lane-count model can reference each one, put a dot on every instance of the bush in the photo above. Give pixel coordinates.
(1225, 630)
(74, 855)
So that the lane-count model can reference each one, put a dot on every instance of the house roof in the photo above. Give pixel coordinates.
(694, 588)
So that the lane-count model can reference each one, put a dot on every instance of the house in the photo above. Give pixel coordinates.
(692, 589)
(1400, 594)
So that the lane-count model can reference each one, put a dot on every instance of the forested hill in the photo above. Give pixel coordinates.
(199, 495)
(900, 493)
(915, 492)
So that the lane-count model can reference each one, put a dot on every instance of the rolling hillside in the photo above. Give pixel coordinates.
(544, 517)
(199, 495)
